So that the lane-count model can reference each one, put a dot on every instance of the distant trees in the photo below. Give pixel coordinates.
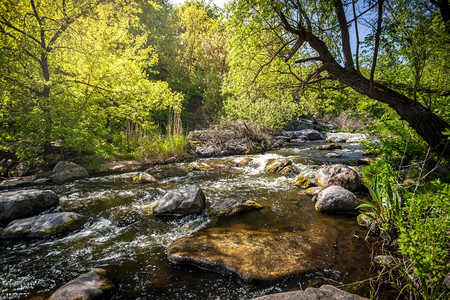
(73, 71)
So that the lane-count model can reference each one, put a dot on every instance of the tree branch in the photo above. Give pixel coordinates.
(305, 60)
(345, 37)
(294, 49)
(377, 42)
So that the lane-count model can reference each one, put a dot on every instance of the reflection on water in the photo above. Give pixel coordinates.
(122, 236)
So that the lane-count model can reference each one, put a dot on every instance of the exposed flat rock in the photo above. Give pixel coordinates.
(325, 292)
(277, 165)
(91, 285)
(181, 202)
(256, 255)
(43, 225)
(25, 203)
(143, 177)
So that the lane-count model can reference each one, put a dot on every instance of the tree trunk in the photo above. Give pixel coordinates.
(427, 124)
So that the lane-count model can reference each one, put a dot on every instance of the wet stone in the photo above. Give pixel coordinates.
(181, 202)
(336, 199)
(229, 207)
(66, 171)
(91, 285)
(254, 255)
(43, 225)
(327, 292)
(26, 203)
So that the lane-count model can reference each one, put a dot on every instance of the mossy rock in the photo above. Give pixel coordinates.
(276, 165)
(303, 182)
(142, 177)
(254, 150)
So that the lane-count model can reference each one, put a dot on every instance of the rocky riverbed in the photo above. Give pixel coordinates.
(250, 231)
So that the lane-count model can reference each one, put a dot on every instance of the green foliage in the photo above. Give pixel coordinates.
(74, 74)
(386, 201)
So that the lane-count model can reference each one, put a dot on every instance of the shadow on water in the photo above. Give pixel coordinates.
(122, 236)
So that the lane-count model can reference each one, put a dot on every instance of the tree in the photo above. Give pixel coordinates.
(317, 32)
(73, 72)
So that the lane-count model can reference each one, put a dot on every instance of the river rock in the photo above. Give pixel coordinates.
(345, 137)
(123, 166)
(314, 190)
(337, 175)
(277, 165)
(229, 207)
(382, 261)
(303, 182)
(256, 254)
(325, 292)
(336, 199)
(305, 134)
(202, 166)
(43, 225)
(329, 147)
(143, 177)
(229, 139)
(66, 171)
(180, 202)
(364, 220)
(91, 285)
(22, 181)
(25, 203)
(302, 124)
(243, 162)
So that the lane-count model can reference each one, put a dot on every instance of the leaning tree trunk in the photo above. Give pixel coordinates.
(427, 124)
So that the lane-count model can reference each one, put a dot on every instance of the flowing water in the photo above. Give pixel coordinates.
(122, 236)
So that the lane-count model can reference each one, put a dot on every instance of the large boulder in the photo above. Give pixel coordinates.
(66, 171)
(229, 207)
(336, 199)
(337, 175)
(43, 225)
(91, 285)
(325, 292)
(229, 139)
(25, 203)
(180, 202)
(256, 254)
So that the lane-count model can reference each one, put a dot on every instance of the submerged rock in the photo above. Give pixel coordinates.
(256, 255)
(91, 285)
(44, 225)
(229, 207)
(337, 175)
(66, 171)
(325, 292)
(143, 177)
(180, 202)
(336, 199)
(26, 203)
